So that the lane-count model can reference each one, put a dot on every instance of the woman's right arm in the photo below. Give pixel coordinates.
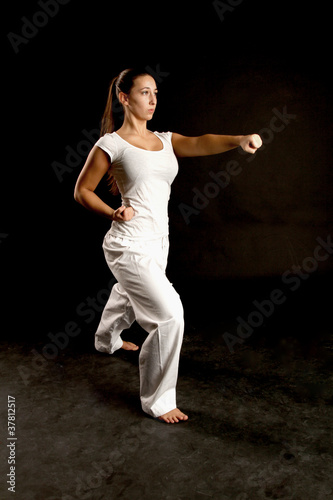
(96, 166)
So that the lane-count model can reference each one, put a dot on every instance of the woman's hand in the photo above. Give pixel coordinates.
(250, 143)
(123, 214)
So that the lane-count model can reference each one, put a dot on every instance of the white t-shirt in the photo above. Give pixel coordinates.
(144, 180)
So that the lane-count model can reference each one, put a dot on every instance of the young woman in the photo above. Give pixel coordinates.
(142, 165)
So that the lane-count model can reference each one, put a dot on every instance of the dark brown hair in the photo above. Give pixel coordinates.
(113, 114)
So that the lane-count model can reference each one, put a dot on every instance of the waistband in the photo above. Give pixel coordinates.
(130, 238)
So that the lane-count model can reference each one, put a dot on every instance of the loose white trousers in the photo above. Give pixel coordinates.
(143, 293)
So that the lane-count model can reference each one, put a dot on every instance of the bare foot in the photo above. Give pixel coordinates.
(173, 416)
(129, 346)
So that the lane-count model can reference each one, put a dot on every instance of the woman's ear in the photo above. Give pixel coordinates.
(123, 98)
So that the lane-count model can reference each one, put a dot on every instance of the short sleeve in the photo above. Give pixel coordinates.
(167, 136)
(108, 144)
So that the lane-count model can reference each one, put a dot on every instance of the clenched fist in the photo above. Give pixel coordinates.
(123, 214)
(250, 143)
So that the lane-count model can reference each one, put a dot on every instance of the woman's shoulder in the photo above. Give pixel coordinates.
(110, 139)
(164, 135)
(108, 142)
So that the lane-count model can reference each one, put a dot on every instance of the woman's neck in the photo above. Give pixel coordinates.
(133, 126)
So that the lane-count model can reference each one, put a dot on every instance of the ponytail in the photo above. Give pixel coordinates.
(108, 118)
(107, 127)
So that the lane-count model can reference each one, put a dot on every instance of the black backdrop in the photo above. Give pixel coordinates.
(229, 67)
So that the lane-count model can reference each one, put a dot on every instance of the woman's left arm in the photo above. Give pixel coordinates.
(211, 144)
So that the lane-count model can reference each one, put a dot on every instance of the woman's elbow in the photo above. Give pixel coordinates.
(77, 194)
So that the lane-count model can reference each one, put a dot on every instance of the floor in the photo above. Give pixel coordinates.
(260, 417)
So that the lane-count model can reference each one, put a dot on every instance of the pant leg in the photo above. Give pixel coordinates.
(117, 315)
(139, 268)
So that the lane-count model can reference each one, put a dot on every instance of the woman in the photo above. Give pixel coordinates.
(142, 165)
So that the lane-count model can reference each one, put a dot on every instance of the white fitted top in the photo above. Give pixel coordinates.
(144, 180)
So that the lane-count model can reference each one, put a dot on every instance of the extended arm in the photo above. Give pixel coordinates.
(95, 168)
(212, 144)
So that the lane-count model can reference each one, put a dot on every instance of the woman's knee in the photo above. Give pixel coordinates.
(174, 312)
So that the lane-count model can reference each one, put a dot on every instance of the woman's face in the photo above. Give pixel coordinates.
(142, 99)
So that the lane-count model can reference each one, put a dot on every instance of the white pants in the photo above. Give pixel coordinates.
(143, 293)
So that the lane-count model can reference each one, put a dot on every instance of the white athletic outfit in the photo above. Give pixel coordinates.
(136, 252)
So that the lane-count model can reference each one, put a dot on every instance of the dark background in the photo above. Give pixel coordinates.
(214, 76)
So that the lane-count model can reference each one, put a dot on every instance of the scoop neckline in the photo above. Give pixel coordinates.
(147, 150)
